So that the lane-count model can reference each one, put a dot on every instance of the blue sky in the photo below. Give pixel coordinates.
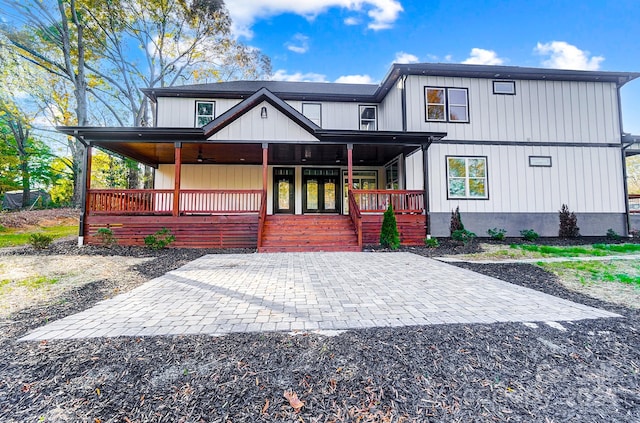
(357, 40)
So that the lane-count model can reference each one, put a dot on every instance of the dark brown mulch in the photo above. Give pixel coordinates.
(456, 373)
(22, 218)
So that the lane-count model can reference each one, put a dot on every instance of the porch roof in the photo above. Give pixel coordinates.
(155, 146)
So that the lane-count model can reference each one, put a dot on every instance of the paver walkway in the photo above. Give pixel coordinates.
(218, 294)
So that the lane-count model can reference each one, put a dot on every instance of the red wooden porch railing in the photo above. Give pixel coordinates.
(262, 216)
(160, 202)
(356, 216)
(130, 201)
(403, 201)
(220, 201)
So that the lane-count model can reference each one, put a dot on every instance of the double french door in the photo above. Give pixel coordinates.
(321, 190)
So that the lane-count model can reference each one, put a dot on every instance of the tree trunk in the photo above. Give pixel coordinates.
(26, 181)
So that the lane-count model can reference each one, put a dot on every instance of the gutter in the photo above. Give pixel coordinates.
(623, 157)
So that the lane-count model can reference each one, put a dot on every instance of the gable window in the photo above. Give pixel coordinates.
(447, 104)
(313, 112)
(205, 112)
(467, 177)
(504, 87)
(368, 118)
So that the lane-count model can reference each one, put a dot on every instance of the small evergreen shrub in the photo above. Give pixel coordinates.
(611, 234)
(389, 236)
(456, 221)
(40, 241)
(105, 235)
(496, 233)
(160, 239)
(431, 242)
(568, 223)
(463, 235)
(529, 234)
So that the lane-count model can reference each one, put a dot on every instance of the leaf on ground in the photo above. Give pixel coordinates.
(295, 403)
(266, 406)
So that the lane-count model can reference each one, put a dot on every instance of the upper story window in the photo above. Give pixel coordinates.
(205, 112)
(504, 87)
(467, 178)
(447, 104)
(368, 118)
(313, 112)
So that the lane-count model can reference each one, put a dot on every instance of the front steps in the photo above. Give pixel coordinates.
(299, 233)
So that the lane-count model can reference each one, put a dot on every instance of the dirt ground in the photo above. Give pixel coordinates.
(585, 371)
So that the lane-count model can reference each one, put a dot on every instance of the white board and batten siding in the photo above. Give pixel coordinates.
(545, 111)
(587, 179)
(252, 127)
(390, 109)
(210, 177)
(180, 112)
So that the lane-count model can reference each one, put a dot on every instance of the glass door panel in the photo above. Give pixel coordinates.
(320, 190)
(284, 190)
(330, 195)
(312, 195)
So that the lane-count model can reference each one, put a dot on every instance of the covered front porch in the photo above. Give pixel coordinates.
(269, 196)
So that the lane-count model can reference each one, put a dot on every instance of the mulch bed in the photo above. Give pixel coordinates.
(457, 373)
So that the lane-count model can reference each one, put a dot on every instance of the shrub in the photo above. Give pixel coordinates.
(160, 239)
(3, 228)
(456, 221)
(389, 236)
(568, 223)
(497, 234)
(463, 235)
(529, 234)
(40, 241)
(611, 234)
(431, 242)
(105, 235)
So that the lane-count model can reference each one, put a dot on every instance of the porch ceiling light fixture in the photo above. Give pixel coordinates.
(263, 112)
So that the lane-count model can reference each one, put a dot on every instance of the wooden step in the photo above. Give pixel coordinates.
(283, 233)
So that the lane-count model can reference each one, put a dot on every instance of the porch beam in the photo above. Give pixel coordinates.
(176, 187)
(85, 197)
(350, 165)
(265, 164)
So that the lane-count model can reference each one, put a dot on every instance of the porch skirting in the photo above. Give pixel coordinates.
(545, 224)
(412, 228)
(230, 231)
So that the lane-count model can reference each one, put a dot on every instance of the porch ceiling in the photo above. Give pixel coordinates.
(154, 153)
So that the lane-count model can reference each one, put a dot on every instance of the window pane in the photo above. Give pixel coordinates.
(435, 112)
(458, 113)
(477, 168)
(205, 109)
(368, 113)
(435, 96)
(312, 194)
(477, 187)
(284, 194)
(457, 168)
(329, 195)
(456, 187)
(312, 111)
(458, 97)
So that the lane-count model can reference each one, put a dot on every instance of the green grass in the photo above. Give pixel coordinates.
(34, 282)
(597, 250)
(16, 237)
(597, 271)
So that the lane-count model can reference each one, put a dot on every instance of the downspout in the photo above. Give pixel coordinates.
(623, 156)
(427, 211)
(403, 92)
(86, 166)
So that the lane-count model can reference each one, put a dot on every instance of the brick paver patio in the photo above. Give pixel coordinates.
(218, 294)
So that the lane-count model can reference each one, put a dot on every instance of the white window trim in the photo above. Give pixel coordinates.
(374, 120)
(466, 178)
(447, 104)
(213, 111)
(319, 122)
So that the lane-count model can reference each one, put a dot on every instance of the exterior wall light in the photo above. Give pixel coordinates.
(263, 112)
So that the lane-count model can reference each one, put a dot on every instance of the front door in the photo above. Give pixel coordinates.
(320, 190)
(284, 200)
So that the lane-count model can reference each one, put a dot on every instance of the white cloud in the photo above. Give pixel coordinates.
(448, 58)
(282, 75)
(355, 79)
(352, 21)
(299, 44)
(382, 13)
(563, 55)
(480, 56)
(402, 57)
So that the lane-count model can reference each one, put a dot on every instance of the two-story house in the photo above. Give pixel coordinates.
(311, 166)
